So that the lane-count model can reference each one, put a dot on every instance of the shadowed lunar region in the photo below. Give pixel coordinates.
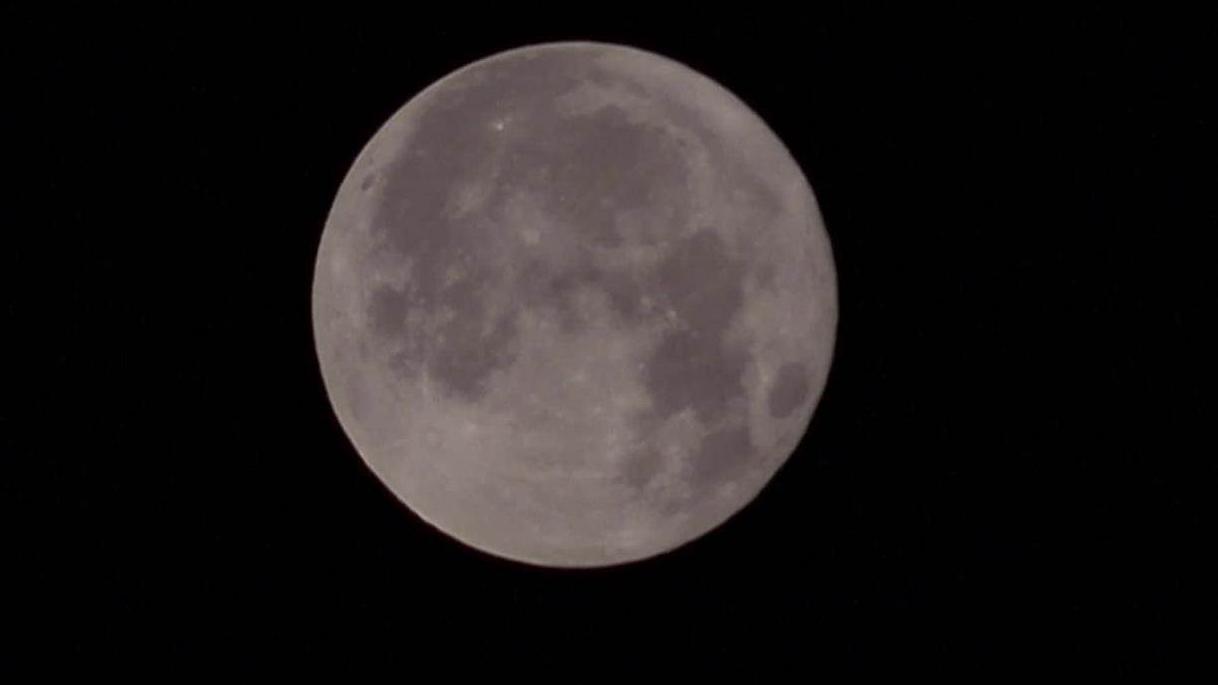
(574, 304)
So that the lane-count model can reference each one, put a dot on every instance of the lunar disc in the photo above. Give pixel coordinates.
(574, 304)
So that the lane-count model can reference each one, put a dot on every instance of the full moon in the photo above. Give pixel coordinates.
(574, 304)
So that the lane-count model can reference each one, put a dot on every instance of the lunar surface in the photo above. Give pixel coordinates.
(574, 304)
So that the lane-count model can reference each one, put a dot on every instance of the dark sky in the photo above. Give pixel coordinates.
(1001, 469)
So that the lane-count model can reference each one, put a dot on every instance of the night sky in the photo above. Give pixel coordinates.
(1000, 471)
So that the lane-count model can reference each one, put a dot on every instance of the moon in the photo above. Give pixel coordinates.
(574, 304)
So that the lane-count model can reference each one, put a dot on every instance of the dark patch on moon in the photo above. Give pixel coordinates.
(704, 284)
(470, 353)
(694, 366)
(686, 371)
(765, 275)
(790, 389)
(641, 468)
(387, 312)
(597, 164)
(723, 456)
(542, 287)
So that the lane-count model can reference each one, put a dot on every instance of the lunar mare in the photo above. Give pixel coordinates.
(574, 304)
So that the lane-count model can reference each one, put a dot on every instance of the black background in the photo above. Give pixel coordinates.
(1000, 470)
